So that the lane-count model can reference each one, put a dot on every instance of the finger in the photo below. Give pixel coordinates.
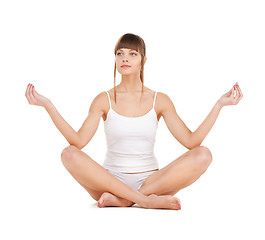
(241, 94)
(27, 93)
(27, 90)
(237, 96)
(237, 93)
(34, 93)
(233, 92)
(234, 98)
(30, 94)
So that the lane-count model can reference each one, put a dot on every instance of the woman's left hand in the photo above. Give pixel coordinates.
(230, 98)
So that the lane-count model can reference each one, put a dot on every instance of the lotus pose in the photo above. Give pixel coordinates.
(131, 111)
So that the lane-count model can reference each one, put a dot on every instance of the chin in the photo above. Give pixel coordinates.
(125, 72)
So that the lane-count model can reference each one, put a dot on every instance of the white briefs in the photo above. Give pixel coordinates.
(135, 180)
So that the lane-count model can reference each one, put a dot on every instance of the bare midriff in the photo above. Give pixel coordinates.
(143, 172)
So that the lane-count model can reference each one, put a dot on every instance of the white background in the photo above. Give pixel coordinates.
(196, 51)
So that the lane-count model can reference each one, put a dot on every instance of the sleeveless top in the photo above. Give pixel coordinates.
(130, 141)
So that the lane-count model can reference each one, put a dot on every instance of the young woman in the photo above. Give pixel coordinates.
(131, 111)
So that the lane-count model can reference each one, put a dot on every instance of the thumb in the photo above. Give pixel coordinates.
(229, 93)
(34, 92)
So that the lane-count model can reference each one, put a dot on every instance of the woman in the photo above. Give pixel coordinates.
(130, 173)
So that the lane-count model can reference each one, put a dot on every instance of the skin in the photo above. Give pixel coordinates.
(159, 188)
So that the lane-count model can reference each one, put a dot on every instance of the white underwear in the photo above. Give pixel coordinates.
(134, 180)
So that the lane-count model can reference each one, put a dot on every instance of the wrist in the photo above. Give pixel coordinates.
(219, 104)
(48, 105)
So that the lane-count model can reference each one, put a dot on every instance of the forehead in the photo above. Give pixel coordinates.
(125, 49)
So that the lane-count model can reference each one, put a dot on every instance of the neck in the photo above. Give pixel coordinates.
(131, 83)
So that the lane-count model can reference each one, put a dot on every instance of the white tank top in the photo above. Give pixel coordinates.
(130, 141)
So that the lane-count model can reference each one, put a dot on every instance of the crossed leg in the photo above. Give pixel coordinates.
(177, 175)
(167, 181)
(97, 180)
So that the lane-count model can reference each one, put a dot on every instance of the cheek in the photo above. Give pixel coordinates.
(118, 62)
(137, 62)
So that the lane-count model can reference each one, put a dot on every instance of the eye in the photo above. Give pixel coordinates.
(134, 53)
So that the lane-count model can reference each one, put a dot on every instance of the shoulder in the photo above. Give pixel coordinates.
(99, 102)
(100, 98)
(163, 98)
(164, 103)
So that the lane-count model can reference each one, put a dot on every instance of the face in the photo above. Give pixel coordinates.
(130, 57)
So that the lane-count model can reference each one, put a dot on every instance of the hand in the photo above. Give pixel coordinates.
(229, 98)
(35, 98)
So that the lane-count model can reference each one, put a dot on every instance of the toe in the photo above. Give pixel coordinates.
(178, 203)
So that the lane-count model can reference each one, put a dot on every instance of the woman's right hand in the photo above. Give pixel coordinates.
(35, 98)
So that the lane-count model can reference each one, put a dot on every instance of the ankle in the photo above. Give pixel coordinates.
(145, 202)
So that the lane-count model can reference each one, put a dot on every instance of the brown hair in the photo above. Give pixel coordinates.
(134, 42)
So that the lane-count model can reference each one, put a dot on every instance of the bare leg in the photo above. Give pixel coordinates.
(93, 176)
(177, 175)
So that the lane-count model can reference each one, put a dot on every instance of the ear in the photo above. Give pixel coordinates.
(145, 58)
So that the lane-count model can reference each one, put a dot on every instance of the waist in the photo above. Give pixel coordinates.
(126, 155)
(130, 163)
(130, 147)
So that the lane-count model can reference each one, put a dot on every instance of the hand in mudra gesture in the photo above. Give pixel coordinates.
(230, 98)
(34, 98)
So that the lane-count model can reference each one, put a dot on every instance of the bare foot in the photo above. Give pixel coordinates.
(108, 199)
(164, 201)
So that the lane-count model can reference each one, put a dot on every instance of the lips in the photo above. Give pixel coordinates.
(125, 66)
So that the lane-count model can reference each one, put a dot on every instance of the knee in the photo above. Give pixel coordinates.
(203, 157)
(68, 153)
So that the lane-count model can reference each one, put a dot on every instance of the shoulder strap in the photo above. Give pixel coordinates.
(109, 98)
(154, 99)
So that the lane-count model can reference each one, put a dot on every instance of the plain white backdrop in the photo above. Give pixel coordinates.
(196, 51)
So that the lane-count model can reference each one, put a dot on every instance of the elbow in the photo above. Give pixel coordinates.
(189, 147)
(77, 143)
(193, 146)
(192, 142)
(80, 145)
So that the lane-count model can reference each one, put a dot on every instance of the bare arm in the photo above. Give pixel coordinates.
(230, 98)
(68, 132)
(201, 132)
(34, 98)
(174, 123)
(91, 123)
(178, 128)
(89, 127)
